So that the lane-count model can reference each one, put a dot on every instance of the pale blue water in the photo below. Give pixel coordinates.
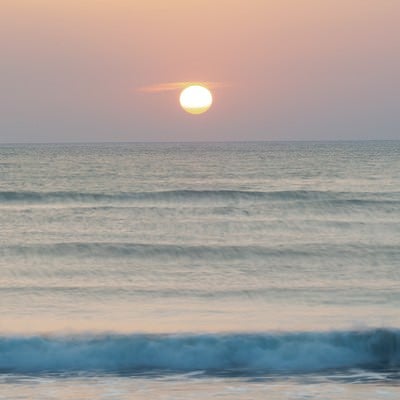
(180, 271)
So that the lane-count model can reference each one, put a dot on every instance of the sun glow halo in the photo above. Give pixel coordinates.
(195, 99)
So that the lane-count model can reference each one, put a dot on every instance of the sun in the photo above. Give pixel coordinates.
(195, 99)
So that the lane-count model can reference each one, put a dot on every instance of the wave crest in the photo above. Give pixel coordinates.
(30, 197)
(237, 353)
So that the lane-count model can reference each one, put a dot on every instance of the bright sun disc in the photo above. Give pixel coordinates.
(195, 99)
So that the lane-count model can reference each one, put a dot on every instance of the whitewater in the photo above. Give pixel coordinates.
(203, 270)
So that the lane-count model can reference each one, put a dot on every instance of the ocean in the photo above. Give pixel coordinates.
(235, 271)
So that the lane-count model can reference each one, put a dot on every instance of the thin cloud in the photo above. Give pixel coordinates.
(172, 86)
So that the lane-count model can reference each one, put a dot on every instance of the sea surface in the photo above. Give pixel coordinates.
(200, 271)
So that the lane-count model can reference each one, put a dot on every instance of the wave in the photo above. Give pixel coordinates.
(209, 252)
(356, 198)
(247, 354)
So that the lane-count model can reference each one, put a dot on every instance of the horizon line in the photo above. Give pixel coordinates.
(201, 141)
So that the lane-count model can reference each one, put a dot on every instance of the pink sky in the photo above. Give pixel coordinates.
(285, 69)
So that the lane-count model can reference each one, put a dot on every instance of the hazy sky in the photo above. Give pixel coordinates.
(72, 70)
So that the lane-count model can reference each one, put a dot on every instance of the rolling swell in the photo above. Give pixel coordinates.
(357, 198)
(246, 354)
(215, 252)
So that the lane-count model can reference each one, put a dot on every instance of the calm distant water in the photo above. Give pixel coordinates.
(200, 271)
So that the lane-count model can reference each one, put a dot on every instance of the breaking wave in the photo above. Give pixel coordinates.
(247, 354)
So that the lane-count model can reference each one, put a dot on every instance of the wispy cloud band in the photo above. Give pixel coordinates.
(171, 86)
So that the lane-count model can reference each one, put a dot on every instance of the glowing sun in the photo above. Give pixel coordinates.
(195, 99)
